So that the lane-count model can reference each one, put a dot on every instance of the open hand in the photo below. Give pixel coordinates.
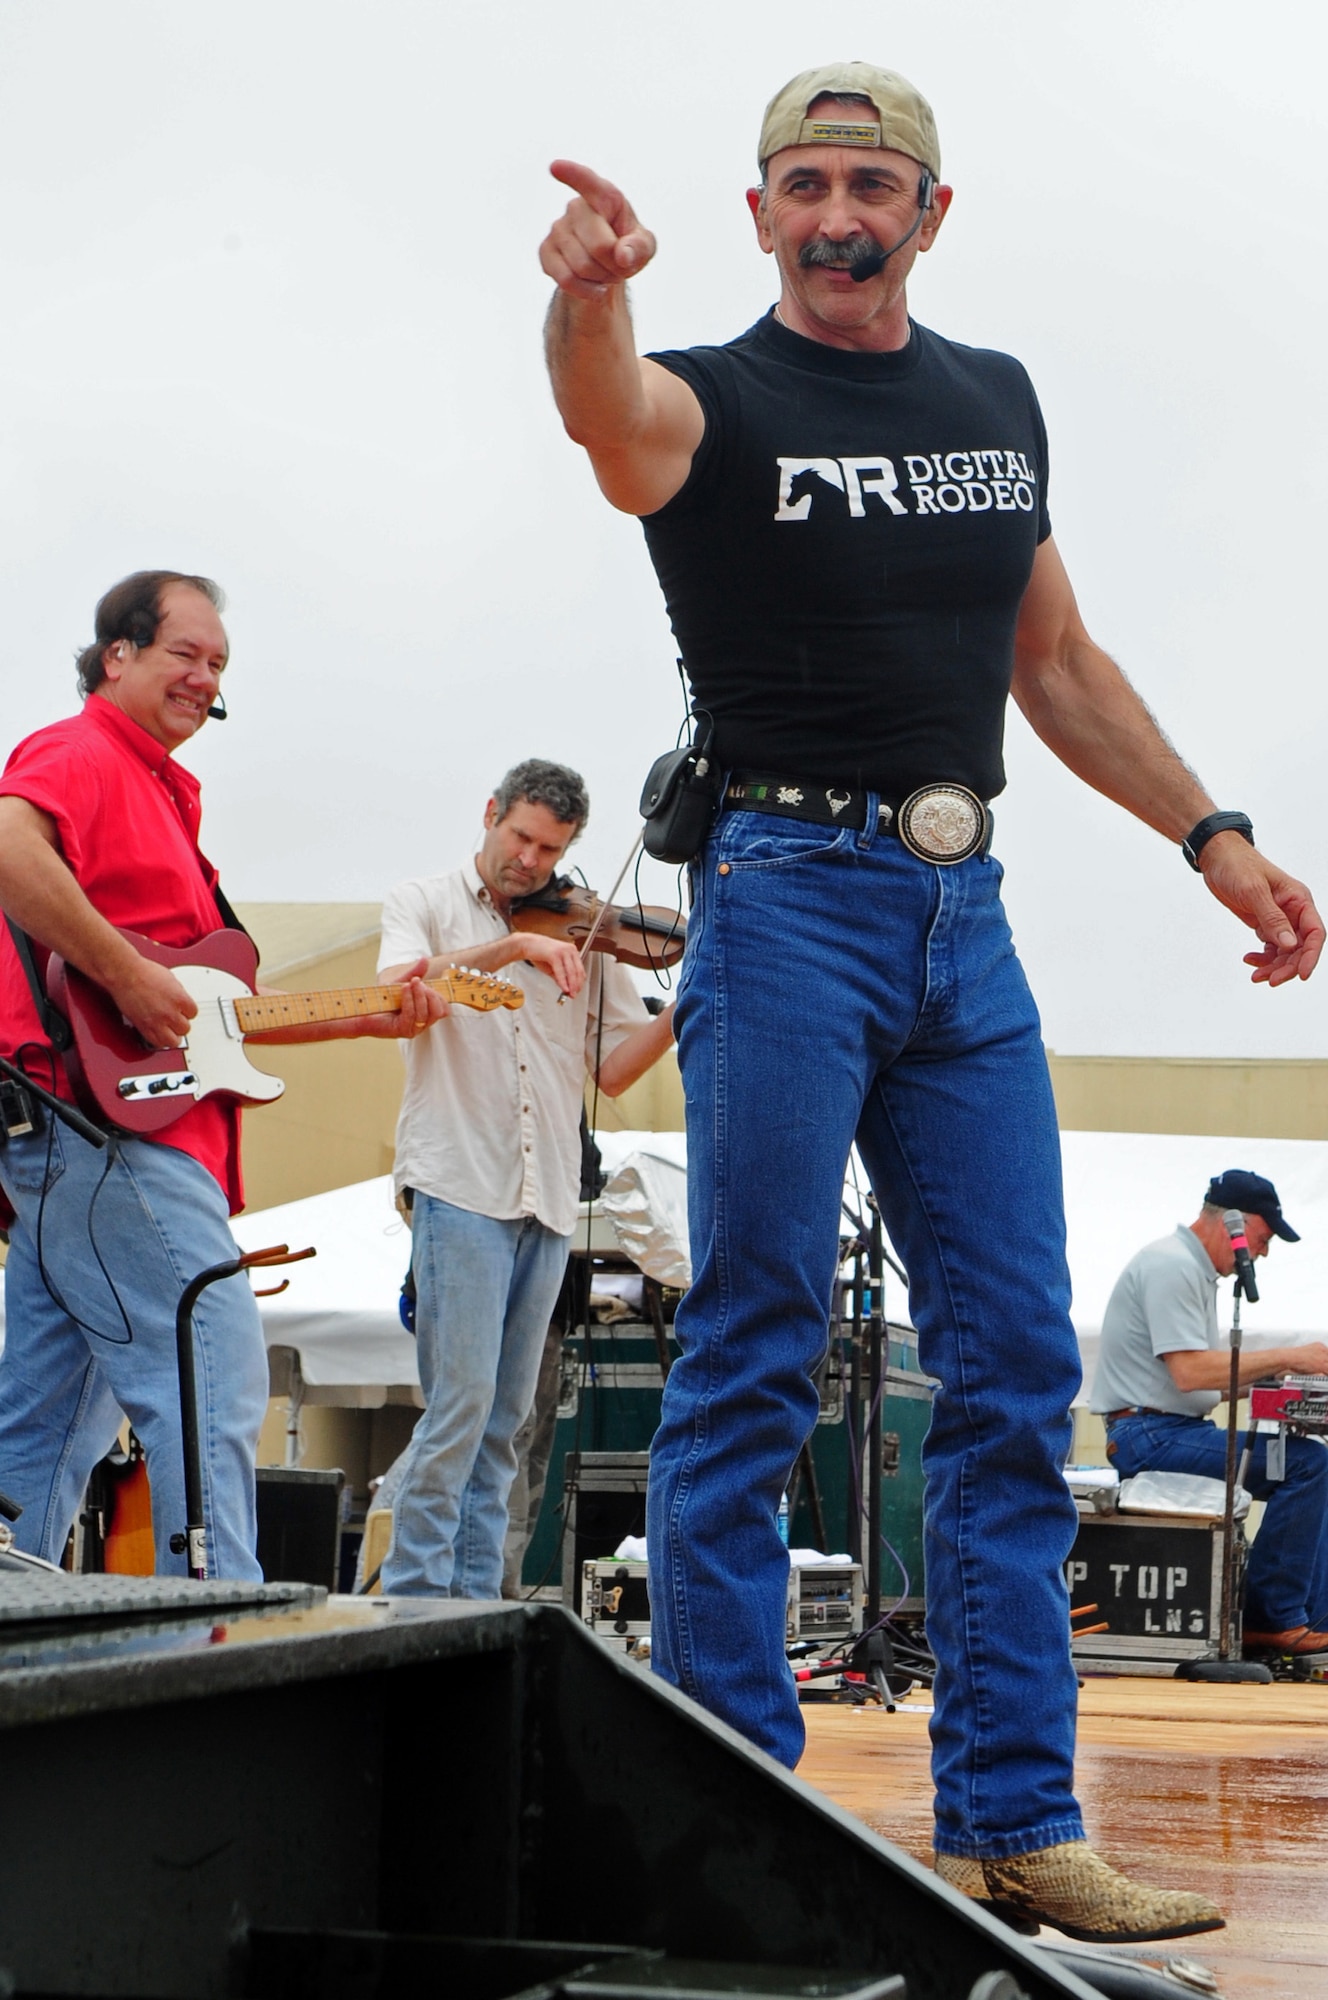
(1271, 902)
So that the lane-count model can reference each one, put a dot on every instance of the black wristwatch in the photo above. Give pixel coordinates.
(1198, 837)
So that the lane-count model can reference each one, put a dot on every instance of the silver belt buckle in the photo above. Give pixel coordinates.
(942, 823)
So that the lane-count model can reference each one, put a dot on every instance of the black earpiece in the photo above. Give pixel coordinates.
(217, 712)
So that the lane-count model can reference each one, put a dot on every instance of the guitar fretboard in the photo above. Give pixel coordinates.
(261, 1012)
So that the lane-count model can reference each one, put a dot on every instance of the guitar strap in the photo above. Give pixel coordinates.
(224, 910)
(54, 1025)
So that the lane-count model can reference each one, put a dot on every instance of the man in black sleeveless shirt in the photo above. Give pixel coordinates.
(848, 517)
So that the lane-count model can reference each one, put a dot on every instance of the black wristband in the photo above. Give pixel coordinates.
(1198, 837)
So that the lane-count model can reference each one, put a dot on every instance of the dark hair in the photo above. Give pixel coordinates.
(130, 613)
(555, 786)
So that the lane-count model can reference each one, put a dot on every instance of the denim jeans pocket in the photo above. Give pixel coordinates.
(33, 1166)
(750, 840)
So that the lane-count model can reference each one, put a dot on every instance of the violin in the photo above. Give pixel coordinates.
(636, 934)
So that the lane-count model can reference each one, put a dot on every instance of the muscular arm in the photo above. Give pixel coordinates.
(1081, 705)
(1191, 1369)
(38, 890)
(633, 1056)
(639, 424)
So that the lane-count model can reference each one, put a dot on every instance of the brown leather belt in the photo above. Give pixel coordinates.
(1111, 1416)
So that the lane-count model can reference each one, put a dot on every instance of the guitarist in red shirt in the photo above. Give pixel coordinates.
(98, 835)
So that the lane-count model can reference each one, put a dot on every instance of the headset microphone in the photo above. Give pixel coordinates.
(217, 712)
(871, 267)
(1245, 1280)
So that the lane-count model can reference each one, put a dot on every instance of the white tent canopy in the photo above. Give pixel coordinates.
(1122, 1189)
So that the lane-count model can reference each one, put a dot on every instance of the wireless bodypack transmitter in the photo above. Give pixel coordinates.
(679, 797)
(20, 1113)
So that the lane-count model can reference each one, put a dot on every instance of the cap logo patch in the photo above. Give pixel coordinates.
(833, 132)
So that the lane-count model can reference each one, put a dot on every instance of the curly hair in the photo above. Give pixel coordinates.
(557, 787)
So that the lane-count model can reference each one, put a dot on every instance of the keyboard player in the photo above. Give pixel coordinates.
(1163, 1366)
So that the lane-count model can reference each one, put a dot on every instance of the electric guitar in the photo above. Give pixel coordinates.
(120, 1080)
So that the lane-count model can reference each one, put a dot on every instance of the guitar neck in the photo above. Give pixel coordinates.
(259, 1013)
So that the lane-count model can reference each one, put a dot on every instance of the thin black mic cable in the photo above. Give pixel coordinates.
(871, 267)
(48, 1283)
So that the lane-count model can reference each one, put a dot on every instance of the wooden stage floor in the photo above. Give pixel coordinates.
(1219, 1789)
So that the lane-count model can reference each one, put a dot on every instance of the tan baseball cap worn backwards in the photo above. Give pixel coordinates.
(903, 122)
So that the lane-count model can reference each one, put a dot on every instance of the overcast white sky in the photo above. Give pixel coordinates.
(272, 311)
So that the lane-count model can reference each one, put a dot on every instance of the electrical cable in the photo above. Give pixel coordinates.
(48, 1283)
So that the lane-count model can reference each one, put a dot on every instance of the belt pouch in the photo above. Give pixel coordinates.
(679, 798)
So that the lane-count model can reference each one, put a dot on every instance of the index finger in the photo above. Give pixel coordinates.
(606, 200)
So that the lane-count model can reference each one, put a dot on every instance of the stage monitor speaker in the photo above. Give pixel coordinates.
(299, 1524)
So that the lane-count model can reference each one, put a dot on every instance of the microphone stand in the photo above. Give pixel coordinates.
(1224, 1667)
(194, 1539)
(872, 1653)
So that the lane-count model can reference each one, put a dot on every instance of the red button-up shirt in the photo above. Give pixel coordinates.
(127, 818)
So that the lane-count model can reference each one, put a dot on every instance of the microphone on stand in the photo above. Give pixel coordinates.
(1245, 1279)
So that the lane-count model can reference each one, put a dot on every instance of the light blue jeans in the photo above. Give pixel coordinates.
(159, 1219)
(835, 987)
(1286, 1584)
(486, 1290)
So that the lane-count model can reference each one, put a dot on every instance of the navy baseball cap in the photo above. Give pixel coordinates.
(1252, 1195)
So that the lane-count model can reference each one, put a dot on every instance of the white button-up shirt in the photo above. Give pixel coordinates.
(490, 1117)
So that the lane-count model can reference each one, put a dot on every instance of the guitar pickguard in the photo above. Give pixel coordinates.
(143, 1090)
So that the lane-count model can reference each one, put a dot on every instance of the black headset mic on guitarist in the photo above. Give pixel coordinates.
(871, 267)
(217, 712)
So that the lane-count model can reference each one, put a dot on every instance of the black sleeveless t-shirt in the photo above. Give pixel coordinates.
(844, 566)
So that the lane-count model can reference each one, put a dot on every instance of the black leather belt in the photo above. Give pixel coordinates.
(943, 823)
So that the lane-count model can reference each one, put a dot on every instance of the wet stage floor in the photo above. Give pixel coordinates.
(1219, 1789)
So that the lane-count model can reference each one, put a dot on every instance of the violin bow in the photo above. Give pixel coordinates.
(593, 932)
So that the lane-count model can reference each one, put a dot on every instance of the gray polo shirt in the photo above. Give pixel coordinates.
(1164, 1300)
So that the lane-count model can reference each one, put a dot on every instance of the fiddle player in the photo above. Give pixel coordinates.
(489, 1161)
(99, 835)
(848, 517)
(1162, 1367)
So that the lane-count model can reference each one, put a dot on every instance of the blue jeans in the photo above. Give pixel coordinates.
(159, 1219)
(835, 987)
(486, 1290)
(1286, 1583)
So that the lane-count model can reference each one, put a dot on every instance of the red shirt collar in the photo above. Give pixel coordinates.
(104, 715)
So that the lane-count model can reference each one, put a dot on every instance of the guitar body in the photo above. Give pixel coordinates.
(119, 1080)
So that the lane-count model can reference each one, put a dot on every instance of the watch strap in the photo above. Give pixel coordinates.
(1220, 822)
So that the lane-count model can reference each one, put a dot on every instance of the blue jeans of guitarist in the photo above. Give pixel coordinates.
(115, 1254)
(837, 988)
